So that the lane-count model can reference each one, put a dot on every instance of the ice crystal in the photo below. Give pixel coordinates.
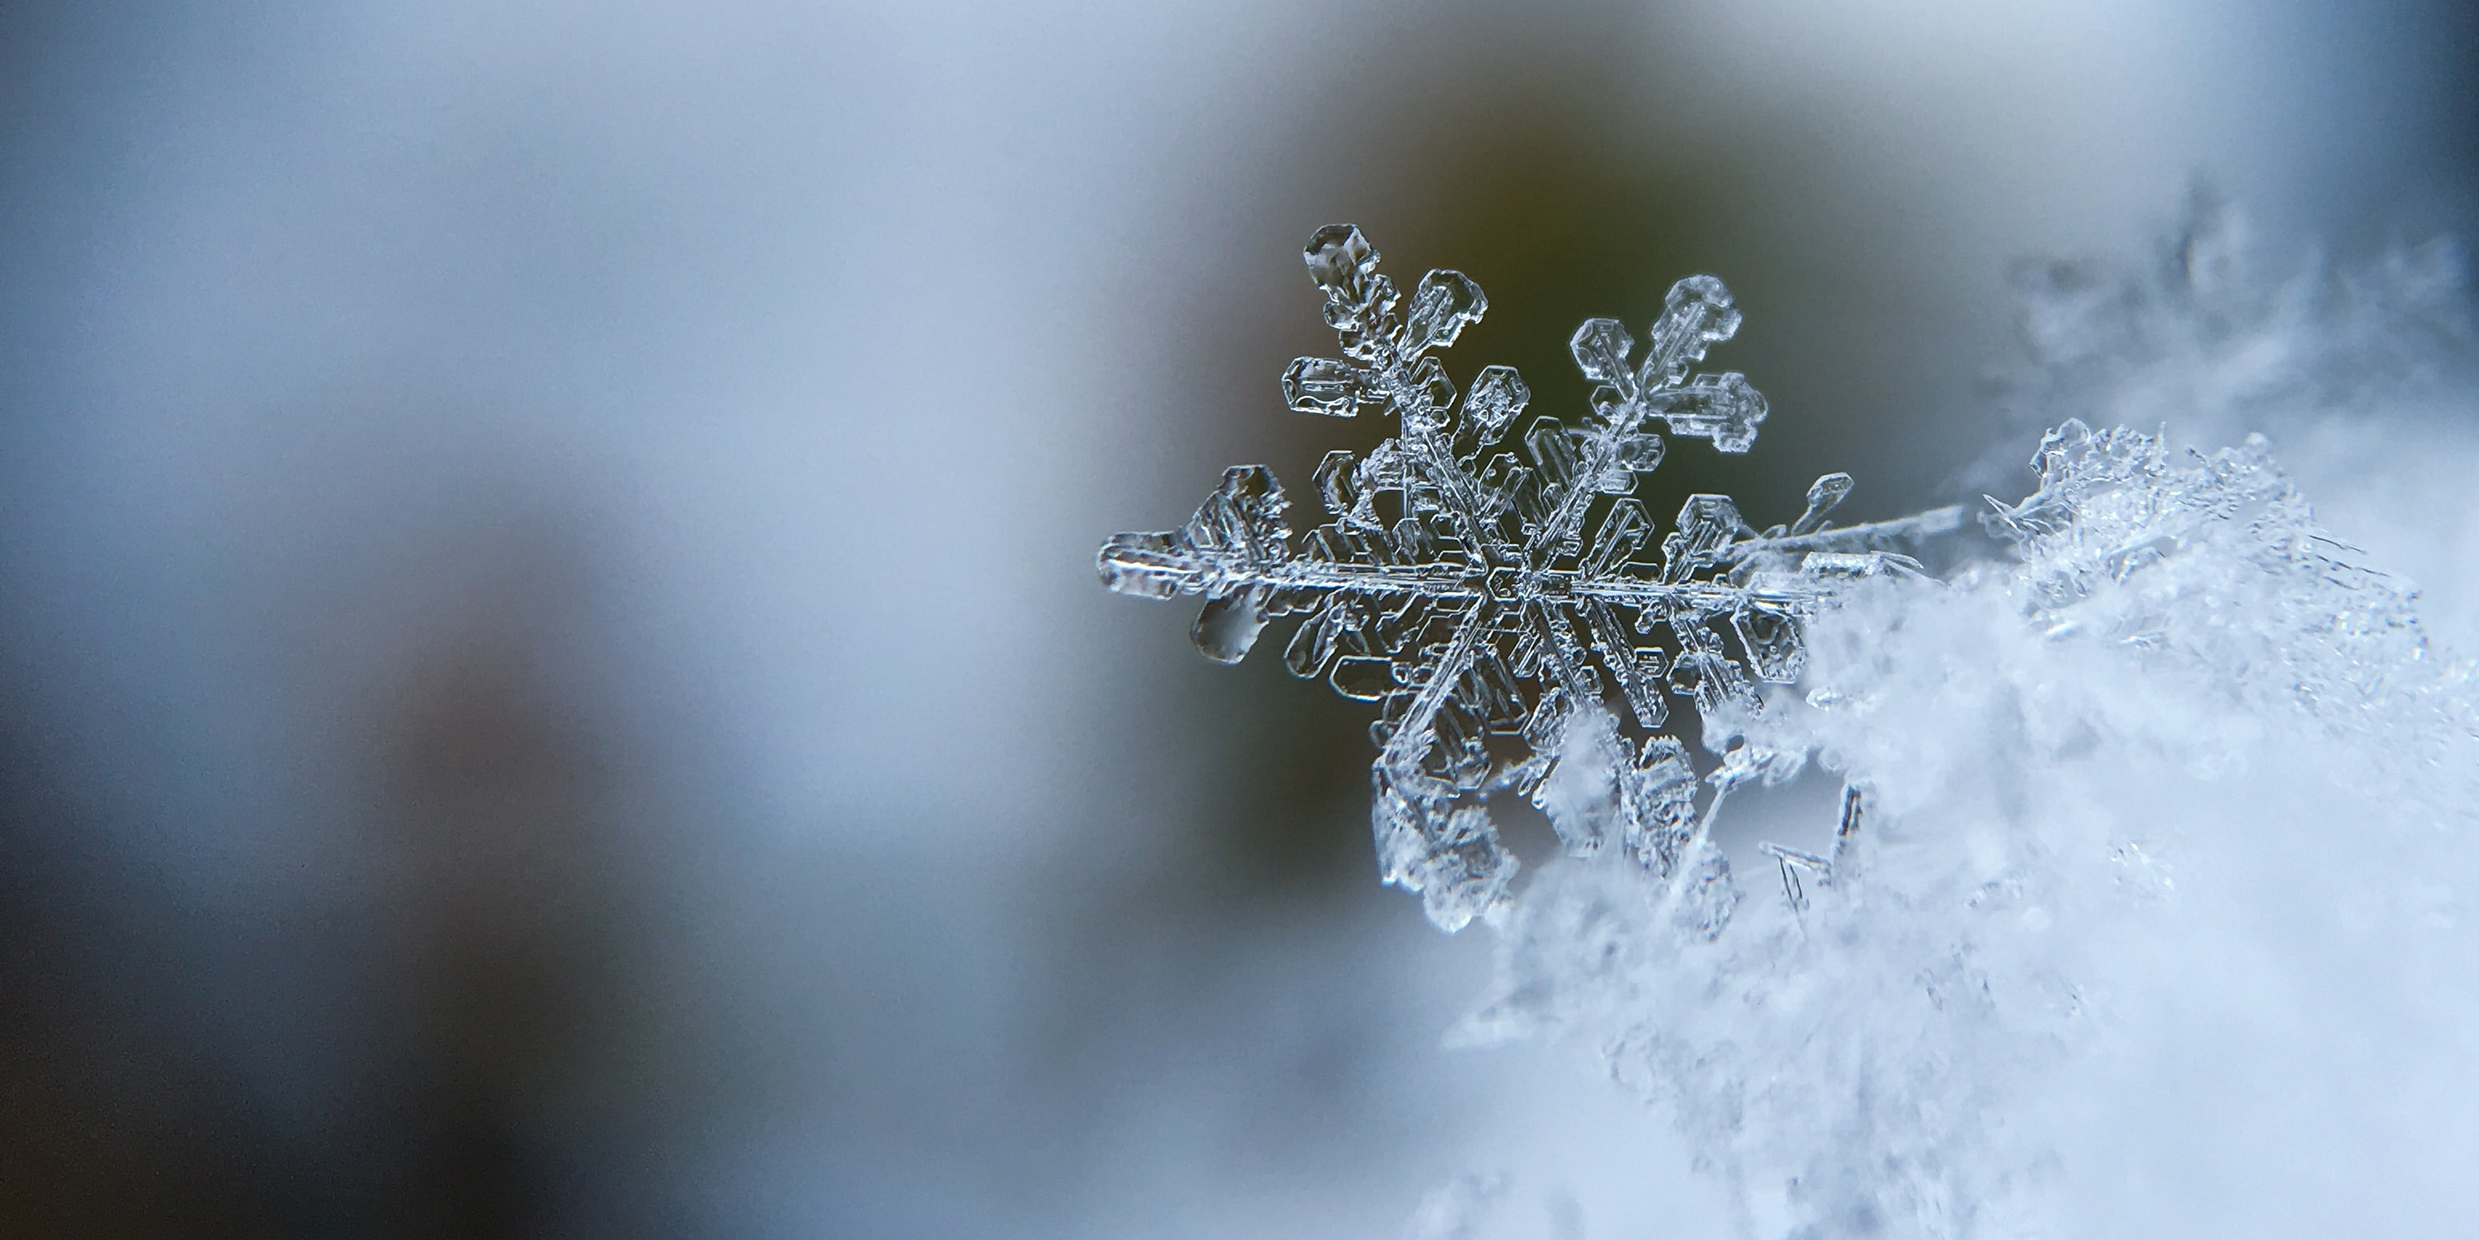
(2045, 745)
(2116, 542)
(1491, 600)
(2127, 812)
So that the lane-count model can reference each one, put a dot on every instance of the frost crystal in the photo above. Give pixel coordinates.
(2124, 540)
(1489, 601)
(2179, 673)
(2155, 923)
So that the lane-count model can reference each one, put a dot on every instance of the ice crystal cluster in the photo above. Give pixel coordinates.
(1488, 600)
(2145, 913)
(2046, 746)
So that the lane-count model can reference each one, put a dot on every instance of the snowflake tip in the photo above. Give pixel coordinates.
(1343, 263)
(1601, 347)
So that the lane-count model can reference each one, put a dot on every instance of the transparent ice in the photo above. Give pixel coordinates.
(1489, 600)
(2144, 909)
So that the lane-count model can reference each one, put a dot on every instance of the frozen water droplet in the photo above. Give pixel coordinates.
(1229, 625)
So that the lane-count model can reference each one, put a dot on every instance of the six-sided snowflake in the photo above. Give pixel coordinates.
(1457, 587)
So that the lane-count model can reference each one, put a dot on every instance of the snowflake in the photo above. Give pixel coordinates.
(1459, 589)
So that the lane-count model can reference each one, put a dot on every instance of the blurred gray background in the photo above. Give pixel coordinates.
(553, 683)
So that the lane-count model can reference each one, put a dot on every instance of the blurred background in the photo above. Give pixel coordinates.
(551, 679)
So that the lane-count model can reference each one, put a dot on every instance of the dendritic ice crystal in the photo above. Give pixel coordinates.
(1493, 601)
